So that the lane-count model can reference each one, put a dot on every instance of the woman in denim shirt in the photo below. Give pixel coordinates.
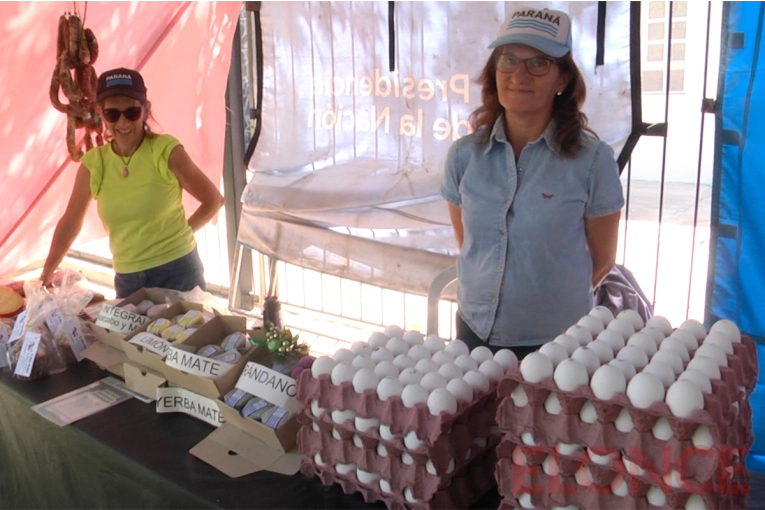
(533, 195)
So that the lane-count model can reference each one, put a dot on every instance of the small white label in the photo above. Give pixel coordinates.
(180, 400)
(4, 336)
(155, 344)
(270, 385)
(54, 320)
(19, 327)
(28, 354)
(77, 340)
(194, 364)
(120, 320)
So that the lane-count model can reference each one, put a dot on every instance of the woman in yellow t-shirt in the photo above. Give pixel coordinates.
(137, 180)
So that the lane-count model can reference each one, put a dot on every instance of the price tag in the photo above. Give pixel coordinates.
(19, 327)
(54, 320)
(4, 336)
(76, 339)
(28, 354)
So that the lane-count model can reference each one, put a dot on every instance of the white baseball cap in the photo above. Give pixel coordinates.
(547, 30)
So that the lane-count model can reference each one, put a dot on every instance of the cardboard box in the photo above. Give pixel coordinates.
(142, 380)
(107, 358)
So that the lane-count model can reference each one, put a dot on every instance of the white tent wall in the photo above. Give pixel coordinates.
(347, 169)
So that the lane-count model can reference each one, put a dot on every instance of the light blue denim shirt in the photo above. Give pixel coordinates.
(524, 271)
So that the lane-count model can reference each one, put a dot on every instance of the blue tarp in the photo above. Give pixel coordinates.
(737, 265)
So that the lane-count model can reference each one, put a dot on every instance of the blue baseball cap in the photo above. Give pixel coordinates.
(121, 82)
(547, 30)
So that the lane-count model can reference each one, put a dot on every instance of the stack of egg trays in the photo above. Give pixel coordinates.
(469, 436)
(727, 413)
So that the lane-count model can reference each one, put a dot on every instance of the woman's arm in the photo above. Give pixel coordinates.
(602, 238)
(70, 224)
(197, 184)
(455, 213)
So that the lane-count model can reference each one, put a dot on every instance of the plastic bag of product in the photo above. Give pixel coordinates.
(72, 333)
(6, 326)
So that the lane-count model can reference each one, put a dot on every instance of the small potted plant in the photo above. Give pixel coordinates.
(288, 355)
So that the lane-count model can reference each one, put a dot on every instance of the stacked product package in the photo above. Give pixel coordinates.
(402, 419)
(616, 413)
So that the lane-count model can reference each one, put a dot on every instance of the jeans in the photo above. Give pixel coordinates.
(472, 340)
(182, 274)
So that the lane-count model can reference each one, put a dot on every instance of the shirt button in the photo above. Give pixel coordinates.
(502, 231)
(499, 267)
(493, 300)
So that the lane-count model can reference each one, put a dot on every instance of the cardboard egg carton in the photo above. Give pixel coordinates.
(461, 492)
(450, 458)
(393, 412)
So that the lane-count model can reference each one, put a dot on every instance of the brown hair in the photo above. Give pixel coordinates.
(570, 120)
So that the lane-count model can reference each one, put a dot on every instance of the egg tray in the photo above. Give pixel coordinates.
(392, 412)
(548, 491)
(718, 479)
(399, 474)
(461, 492)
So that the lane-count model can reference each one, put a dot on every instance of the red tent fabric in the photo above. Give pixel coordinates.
(182, 49)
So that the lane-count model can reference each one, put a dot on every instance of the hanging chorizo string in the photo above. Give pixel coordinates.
(77, 50)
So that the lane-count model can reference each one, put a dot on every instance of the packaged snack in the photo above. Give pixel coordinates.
(275, 417)
(144, 306)
(156, 310)
(171, 334)
(237, 398)
(191, 318)
(183, 335)
(255, 408)
(237, 340)
(210, 351)
(158, 326)
(230, 357)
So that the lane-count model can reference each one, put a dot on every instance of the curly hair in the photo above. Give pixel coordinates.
(571, 122)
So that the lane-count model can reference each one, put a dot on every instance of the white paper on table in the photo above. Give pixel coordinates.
(83, 402)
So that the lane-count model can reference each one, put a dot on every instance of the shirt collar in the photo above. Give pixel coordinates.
(498, 135)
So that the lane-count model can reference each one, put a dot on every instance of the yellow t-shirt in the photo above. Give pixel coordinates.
(143, 212)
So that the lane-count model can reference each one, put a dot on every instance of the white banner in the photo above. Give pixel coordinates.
(155, 344)
(180, 400)
(195, 364)
(276, 388)
(120, 320)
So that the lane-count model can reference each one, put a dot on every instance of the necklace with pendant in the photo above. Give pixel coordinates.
(126, 162)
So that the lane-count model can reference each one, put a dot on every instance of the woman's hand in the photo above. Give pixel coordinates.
(193, 180)
(455, 213)
(602, 238)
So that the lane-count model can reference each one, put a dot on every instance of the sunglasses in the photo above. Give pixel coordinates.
(132, 114)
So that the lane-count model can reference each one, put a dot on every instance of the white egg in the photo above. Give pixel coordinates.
(321, 366)
(728, 328)
(343, 372)
(365, 424)
(357, 441)
(492, 370)
(519, 458)
(407, 459)
(695, 327)
(382, 451)
(632, 468)
(644, 390)
(619, 486)
(381, 354)
(520, 399)
(535, 367)
(345, 469)
(397, 346)
(315, 427)
(582, 334)
(481, 354)
(720, 340)
(684, 398)
(409, 495)
(430, 468)
(450, 371)
(608, 381)
(365, 379)
(656, 497)
(601, 460)
(385, 486)
(411, 441)
(627, 368)
(389, 387)
(403, 361)
(634, 355)
(569, 449)
(418, 352)
(316, 410)
(588, 358)
(550, 466)
(712, 352)
(592, 324)
(706, 365)
(673, 479)
(426, 366)
(386, 434)
(410, 376)
(339, 416)
(687, 338)
(317, 459)
(695, 502)
(603, 350)
(457, 348)
(568, 342)
(603, 313)
(377, 339)
(434, 343)
(386, 369)
(413, 337)
(662, 430)
(414, 394)
(441, 400)
(555, 352)
(525, 501)
(583, 476)
(622, 326)
(552, 404)
(656, 334)
(393, 330)
(698, 378)
(450, 467)
(671, 358)
(660, 323)
(343, 356)
(477, 380)
(361, 361)
(676, 345)
(643, 341)
(460, 389)
(702, 438)
(466, 363)
(623, 422)
(661, 371)
(366, 477)
(506, 358)
(433, 381)
(361, 348)
(587, 413)
(570, 374)
(633, 317)
(528, 439)
(441, 358)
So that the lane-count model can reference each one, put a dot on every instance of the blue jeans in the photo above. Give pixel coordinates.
(472, 340)
(181, 274)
